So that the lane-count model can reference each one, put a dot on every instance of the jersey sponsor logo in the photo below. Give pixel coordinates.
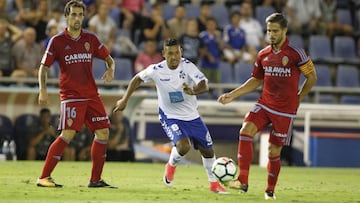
(277, 71)
(101, 118)
(78, 58)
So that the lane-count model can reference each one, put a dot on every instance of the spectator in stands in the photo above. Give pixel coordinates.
(132, 12)
(251, 26)
(177, 24)
(9, 34)
(303, 16)
(42, 135)
(213, 44)
(27, 54)
(58, 19)
(191, 43)
(120, 146)
(34, 14)
(236, 47)
(150, 55)
(205, 13)
(104, 26)
(329, 22)
(3, 7)
(154, 27)
(278, 5)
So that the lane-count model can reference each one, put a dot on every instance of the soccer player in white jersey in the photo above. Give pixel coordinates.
(178, 81)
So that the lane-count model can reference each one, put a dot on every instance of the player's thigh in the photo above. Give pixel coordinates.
(254, 121)
(96, 117)
(281, 130)
(72, 114)
(199, 134)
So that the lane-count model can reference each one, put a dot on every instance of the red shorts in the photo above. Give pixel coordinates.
(76, 112)
(280, 133)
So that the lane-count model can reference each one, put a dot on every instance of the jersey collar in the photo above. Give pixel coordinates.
(69, 37)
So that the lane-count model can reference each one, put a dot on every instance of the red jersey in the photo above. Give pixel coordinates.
(75, 58)
(280, 71)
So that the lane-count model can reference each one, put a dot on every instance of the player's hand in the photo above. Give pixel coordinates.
(43, 97)
(187, 89)
(120, 105)
(225, 98)
(108, 75)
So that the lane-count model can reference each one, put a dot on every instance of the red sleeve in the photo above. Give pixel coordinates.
(101, 51)
(258, 71)
(49, 55)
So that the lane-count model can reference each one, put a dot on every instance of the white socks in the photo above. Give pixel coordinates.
(208, 162)
(175, 157)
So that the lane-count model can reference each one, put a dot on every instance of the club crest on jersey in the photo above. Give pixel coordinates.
(284, 60)
(69, 122)
(182, 75)
(87, 46)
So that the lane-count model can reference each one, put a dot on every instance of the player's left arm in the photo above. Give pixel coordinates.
(201, 87)
(308, 70)
(109, 73)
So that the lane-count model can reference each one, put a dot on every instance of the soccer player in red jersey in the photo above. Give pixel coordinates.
(277, 68)
(74, 49)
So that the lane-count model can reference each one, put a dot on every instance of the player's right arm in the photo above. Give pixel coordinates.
(133, 85)
(249, 86)
(43, 95)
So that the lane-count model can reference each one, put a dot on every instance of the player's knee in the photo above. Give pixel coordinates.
(183, 146)
(102, 134)
(274, 150)
(248, 129)
(68, 135)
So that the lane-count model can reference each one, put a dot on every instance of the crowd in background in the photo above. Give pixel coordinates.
(135, 29)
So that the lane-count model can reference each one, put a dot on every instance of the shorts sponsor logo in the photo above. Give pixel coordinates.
(279, 134)
(96, 119)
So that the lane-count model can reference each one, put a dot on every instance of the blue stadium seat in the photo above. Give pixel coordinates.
(192, 11)
(22, 131)
(345, 49)
(6, 128)
(115, 15)
(220, 13)
(350, 99)
(261, 12)
(323, 76)
(168, 11)
(123, 69)
(320, 48)
(123, 32)
(242, 72)
(347, 76)
(296, 40)
(99, 68)
(327, 99)
(226, 72)
(344, 16)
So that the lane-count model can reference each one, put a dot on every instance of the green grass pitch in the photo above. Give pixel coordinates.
(139, 182)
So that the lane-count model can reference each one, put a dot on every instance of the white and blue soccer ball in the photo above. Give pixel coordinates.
(224, 169)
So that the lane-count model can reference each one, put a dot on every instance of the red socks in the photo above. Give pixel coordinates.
(54, 155)
(98, 156)
(273, 169)
(245, 156)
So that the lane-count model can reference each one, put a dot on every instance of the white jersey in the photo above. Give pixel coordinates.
(173, 101)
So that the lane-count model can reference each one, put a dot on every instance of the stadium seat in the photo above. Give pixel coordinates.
(327, 99)
(344, 16)
(226, 72)
(123, 32)
(168, 11)
(220, 13)
(22, 131)
(345, 49)
(323, 76)
(347, 76)
(192, 11)
(115, 15)
(99, 68)
(124, 69)
(350, 99)
(6, 128)
(242, 72)
(261, 12)
(320, 48)
(296, 40)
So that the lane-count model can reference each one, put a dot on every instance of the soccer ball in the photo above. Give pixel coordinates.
(224, 169)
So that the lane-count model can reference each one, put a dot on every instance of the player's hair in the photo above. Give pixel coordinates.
(171, 42)
(73, 3)
(277, 18)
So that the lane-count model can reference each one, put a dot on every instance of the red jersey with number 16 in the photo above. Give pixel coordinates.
(280, 71)
(75, 58)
